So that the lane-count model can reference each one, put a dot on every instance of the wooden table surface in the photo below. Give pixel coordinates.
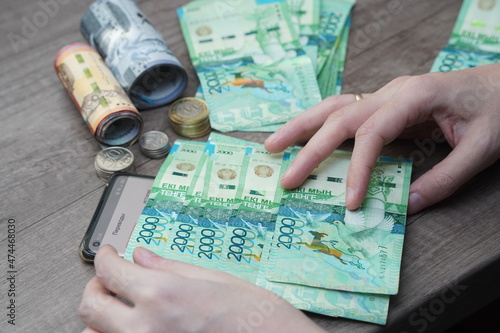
(49, 188)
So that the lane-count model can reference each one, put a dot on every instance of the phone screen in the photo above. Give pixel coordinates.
(117, 213)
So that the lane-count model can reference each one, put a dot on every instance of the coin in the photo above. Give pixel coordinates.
(192, 131)
(188, 111)
(154, 144)
(113, 159)
(189, 117)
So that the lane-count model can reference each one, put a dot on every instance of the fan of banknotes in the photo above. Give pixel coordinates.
(260, 63)
(219, 205)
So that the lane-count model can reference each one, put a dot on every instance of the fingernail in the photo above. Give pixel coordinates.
(349, 196)
(145, 252)
(415, 203)
(272, 137)
(286, 175)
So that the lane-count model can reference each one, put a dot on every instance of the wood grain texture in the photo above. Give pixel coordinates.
(50, 188)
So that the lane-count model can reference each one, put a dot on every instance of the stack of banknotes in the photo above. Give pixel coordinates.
(475, 39)
(219, 205)
(260, 63)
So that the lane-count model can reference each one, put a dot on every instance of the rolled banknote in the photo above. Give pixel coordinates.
(108, 112)
(135, 52)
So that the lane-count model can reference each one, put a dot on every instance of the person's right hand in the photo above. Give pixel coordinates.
(464, 104)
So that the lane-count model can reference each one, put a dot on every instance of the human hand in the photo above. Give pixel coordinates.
(171, 296)
(464, 104)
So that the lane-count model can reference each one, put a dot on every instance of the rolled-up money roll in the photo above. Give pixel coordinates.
(109, 113)
(135, 52)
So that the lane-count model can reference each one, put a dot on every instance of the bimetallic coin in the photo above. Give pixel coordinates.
(188, 111)
(113, 159)
(192, 131)
(154, 144)
(189, 117)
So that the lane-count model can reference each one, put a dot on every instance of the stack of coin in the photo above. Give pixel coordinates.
(189, 117)
(113, 159)
(154, 144)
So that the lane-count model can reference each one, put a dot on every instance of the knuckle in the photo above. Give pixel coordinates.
(424, 86)
(341, 124)
(446, 184)
(366, 132)
(397, 82)
(331, 101)
(148, 293)
(316, 156)
(153, 294)
(85, 311)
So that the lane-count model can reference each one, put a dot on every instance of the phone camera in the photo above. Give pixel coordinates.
(96, 244)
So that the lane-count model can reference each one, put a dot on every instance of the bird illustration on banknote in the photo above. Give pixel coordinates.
(364, 229)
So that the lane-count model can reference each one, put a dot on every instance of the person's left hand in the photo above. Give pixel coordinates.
(171, 296)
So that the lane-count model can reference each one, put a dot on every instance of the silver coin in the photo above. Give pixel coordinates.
(113, 159)
(153, 140)
(154, 144)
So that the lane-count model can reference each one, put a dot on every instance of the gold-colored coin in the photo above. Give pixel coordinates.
(188, 111)
(189, 117)
(192, 131)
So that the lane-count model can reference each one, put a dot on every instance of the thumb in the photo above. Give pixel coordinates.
(148, 259)
(463, 163)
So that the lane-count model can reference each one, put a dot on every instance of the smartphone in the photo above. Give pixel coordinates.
(116, 215)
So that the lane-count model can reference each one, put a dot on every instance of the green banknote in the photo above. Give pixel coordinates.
(250, 95)
(475, 40)
(252, 225)
(450, 59)
(305, 17)
(340, 58)
(330, 78)
(359, 306)
(477, 27)
(223, 31)
(166, 198)
(247, 54)
(333, 15)
(219, 205)
(319, 243)
(210, 215)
